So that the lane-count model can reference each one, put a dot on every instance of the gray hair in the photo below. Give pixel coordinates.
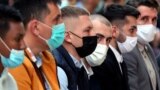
(101, 19)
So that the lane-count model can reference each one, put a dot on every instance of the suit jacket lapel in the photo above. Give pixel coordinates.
(154, 63)
(141, 60)
(68, 58)
(112, 56)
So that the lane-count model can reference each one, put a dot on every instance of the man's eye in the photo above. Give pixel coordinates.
(131, 30)
(108, 40)
(145, 19)
(98, 39)
(154, 20)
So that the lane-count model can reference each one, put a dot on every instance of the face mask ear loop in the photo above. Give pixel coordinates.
(45, 25)
(5, 44)
(42, 38)
(75, 34)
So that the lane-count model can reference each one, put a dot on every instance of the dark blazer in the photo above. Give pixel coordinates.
(137, 73)
(76, 77)
(108, 75)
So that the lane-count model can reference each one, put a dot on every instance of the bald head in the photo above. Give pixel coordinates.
(101, 19)
(102, 27)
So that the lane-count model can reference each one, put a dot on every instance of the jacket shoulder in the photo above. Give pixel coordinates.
(22, 74)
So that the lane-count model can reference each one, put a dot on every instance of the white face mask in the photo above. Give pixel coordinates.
(128, 45)
(98, 56)
(146, 33)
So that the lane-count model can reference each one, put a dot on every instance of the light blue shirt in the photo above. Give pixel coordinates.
(63, 80)
(77, 63)
(39, 64)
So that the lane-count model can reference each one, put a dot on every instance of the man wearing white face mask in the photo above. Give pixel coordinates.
(129, 29)
(11, 45)
(112, 73)
(142, 67)
(102, 28)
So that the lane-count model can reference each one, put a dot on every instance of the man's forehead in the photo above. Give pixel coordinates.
(85, 21)
(130, 19)
(146, 10)
(85, 17)
(54, 9)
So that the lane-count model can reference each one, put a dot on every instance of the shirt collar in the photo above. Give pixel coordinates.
(117, 54)
(80, 63)
(77, 62)
(38, 61)
(34, 59)
(142, 48)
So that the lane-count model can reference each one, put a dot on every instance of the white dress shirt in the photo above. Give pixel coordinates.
(118, 56)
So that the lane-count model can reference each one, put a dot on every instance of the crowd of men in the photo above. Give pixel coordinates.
(79, 45)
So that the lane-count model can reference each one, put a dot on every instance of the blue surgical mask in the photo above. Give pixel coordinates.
(15, 59)
(57, 36)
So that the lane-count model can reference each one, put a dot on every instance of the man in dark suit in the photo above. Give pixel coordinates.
(142, 67)
(112, 73)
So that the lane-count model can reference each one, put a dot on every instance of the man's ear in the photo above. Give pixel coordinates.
(33, 27)
(114, 31)
(67, 37)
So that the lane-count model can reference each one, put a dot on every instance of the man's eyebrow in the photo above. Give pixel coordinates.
(134, 27)
(99, 35)
(144, 17)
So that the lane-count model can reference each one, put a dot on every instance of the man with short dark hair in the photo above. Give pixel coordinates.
(130, 29)
(11, 45)
(44, 32)
(142, 66)
(78, 44)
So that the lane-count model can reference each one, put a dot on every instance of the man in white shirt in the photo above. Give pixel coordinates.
(11, 45)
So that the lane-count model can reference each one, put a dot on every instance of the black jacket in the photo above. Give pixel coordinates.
(76, 77)
(108, 75)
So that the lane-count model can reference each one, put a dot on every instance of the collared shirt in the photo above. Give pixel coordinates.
(39, 64)
(38, 61)
(77, 63)
(63, 77)
(118, 56)
(82, 62)
(149, 66)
